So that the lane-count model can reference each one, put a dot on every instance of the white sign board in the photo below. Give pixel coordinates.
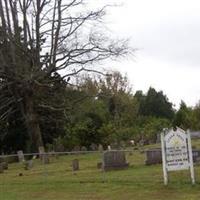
(176, 152)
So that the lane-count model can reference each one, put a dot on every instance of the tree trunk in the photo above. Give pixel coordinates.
(32, 125)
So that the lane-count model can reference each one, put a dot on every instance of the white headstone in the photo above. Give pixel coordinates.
(176, 152)
(20, 155)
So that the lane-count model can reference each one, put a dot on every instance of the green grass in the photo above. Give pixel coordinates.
(56, 181)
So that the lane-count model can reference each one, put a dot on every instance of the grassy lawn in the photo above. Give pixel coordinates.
(56, 181)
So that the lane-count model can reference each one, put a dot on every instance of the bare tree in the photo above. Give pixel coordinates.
(41, 38)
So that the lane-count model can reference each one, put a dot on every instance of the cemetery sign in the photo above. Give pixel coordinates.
(176, 152)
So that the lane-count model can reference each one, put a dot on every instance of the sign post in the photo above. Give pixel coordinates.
(176, 152)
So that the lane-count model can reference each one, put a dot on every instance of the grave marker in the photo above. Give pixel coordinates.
(75, 165)
(20, 156)
(1, 168)
(114, 160)
(28, 165)
(41, 152)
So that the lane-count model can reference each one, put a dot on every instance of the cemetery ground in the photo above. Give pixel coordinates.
(57, 181)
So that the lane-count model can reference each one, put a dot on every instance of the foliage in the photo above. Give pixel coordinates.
(39, 40)
(155, 104)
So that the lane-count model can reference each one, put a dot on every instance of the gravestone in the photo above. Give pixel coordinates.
(93, 147)
(59, 148)
(99, 165)
(77, 148)
(196, 155)
(75, 165)
(141, 142)
(1, 168)
(20, 155)
(46, 159)
(122, 144)
(28, 164)
(43, 155)
(53, 154)
(100, 148)
(5, 165)
(109, 148)
(114, 160)
(83, 148)
(158, 138)
(115, 146)
(41, 152)
(153, 156)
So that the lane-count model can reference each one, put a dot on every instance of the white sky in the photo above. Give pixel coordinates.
(167, 34)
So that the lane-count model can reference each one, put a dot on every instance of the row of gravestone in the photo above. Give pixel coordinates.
(92, 147)
(117, 159)
(3, 166)
(111, 160)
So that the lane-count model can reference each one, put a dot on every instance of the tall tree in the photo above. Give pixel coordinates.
(155, 104)
(183, 117)
(40, 38)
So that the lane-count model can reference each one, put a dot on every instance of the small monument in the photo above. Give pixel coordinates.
(77, 148)
(153, 156)
(99, 165)
(41, 152)
(20, 155)
(176, 152)
(114, 160)
(1, 168)
(83, 148)
(100, 148)
(28, 165)
(93, 147)
(5, 165)
(75, 165)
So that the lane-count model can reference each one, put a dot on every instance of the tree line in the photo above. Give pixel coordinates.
(48, 48)
(99, 109)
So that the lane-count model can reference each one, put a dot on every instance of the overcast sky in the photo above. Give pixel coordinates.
(167, 34)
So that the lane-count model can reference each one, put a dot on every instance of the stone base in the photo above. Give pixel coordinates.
(115, 167)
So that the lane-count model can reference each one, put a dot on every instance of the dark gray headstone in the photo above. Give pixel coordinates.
(59, 148)
(99, 165)
(114, 160)
(5, 165)
(46, 159)
(115, 146)
(83, 148)
(196, 155)
(77, 148)
(153, 156)
(1, 168)
(122, 144)
(93, 147)
(75, 165)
